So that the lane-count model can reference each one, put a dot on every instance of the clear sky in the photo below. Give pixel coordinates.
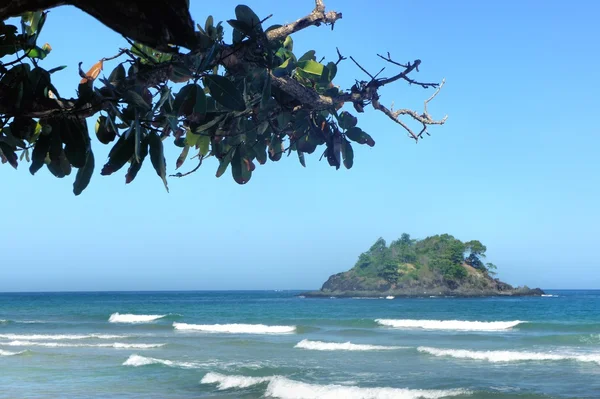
(516, 166)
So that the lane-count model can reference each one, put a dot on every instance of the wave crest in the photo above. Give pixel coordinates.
(138, 361)
(134, 318)
(284, 388)
(233, 381)
(115, 345)
(508, 356)
(60, 337)
(457, 325)
(345, 346)
(235, 328)
(7, 353)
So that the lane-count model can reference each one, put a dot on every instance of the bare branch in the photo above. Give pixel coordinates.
(361, 68)
(317, 17)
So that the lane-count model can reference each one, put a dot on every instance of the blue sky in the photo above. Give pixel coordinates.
(516, 166)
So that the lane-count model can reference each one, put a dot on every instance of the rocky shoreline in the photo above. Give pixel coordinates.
(344, 285)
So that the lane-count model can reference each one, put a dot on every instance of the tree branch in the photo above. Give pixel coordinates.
(317, 17)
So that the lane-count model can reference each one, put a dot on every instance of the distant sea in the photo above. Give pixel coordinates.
(275, 344)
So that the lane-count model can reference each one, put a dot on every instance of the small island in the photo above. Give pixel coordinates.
(440, 265)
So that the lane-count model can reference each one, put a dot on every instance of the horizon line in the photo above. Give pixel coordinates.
(223, 290)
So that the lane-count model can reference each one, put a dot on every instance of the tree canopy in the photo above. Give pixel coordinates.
(440, 256)
(244, 97)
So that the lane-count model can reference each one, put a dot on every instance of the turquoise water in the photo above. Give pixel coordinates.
(275, 344)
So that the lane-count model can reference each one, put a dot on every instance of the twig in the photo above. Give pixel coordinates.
(340, 56)
(433, 95)
(179, 174)
(362, 69)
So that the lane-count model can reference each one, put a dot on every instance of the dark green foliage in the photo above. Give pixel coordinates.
(389, 272)
(231, 104)
(438, 257)
(476, 252)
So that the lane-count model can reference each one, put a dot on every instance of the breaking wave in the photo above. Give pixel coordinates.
(7, 353)
(345, 346)
(233, 381)
(508, 356)
(138, 361)
(59, 337)
(115, 345)
(284, 388)
(134, 318)
(456, 325)
(235, 328)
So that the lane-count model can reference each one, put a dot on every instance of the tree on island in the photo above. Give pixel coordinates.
(243, 101)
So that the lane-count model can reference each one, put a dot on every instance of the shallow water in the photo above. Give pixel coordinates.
(257, 344)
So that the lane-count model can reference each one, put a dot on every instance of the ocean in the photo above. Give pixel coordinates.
(184, 345)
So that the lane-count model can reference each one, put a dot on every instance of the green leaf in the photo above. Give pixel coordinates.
(203, 145)
(347, 154)
(202, 128)
(182, 157)
(241, 168)
(301, 158)
(157, 157)
(136, 165)
(136, 100)
(138, 137)
(312, 67)
(209, 23)
(332, 68)
(179, 73)
(275, 148)
(117, 76)
(346, 120)
(165, 94)
(84, 175)
(356, 134)
(260, 149)
(245, 14)
(288, 43)
(59, 68)
(242, 27)
(224, 92)
(190, 101)
(118, 156)
(191, 139)
(266, 93)
(74, 133)
(104, 130)
(224, 163)
(8, 153)
(39, 153)
(308, 56)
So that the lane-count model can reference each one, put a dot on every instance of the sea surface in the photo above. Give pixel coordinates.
(275, 344)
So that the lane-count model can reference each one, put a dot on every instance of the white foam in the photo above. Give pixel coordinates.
(235, 328)
(59, 337)
(7, 353)
(284, 388)
(345, 346)
(116, 345)
(457, 325)
(134, 318)
(138, 361)
(233, 381)
(549, 296)
(509, 356)
(389, 297)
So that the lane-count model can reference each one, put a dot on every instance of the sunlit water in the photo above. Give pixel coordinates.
(275, 344)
